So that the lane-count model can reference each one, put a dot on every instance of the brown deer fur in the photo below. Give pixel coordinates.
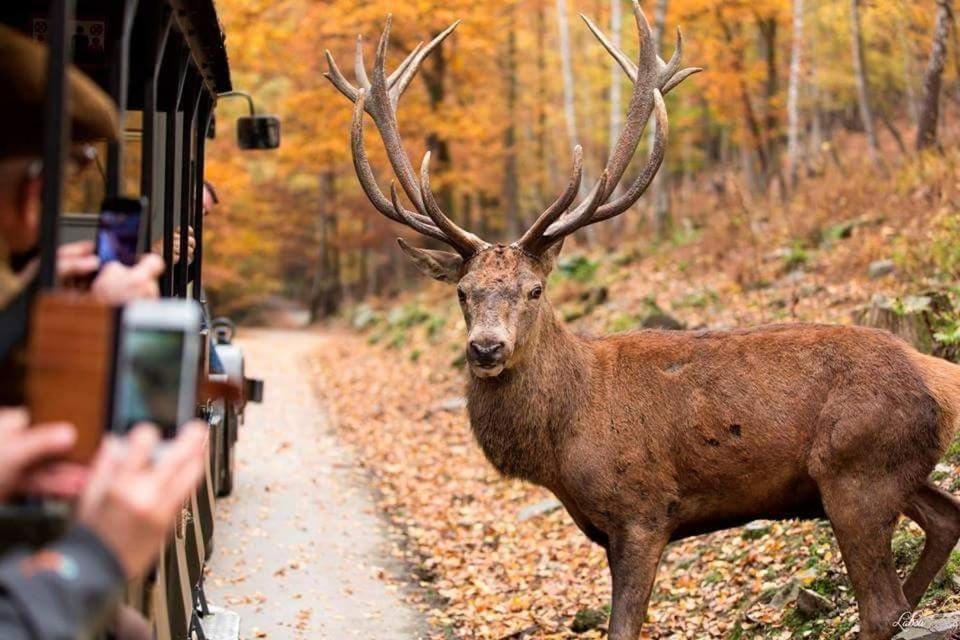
(651, 436)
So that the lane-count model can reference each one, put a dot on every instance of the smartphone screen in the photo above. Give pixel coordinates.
(118, 231)
(149, 379)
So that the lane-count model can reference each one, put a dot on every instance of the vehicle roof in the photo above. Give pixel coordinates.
(197, 20)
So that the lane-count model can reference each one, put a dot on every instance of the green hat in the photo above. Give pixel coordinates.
(23, 71)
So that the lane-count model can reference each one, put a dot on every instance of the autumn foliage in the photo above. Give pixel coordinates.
(296, 224)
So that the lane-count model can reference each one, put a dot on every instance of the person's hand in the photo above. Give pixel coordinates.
(117, 284)
(31, 458)
(76, 261)
(132, 501)
(191, 245)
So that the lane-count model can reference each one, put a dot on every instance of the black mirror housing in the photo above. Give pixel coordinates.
(258, 132)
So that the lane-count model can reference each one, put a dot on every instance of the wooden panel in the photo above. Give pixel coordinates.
(70, 366)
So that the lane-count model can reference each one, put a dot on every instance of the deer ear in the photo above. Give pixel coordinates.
(440, 265)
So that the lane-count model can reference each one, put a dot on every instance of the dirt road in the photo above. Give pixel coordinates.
(298, 547)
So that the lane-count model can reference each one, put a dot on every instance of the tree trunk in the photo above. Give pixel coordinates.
(510, 185)
(860, 71)
(933, 78)
(768, 33)
(909, 71)
(749, 115)
(793, 95)
(547, 172)
(661, 186)
(616, 74)
(566, 63)
(435, 75)
(325, 290)
(615, 104)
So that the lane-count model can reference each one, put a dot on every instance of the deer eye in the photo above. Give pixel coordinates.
(462, 295)
(536, 292)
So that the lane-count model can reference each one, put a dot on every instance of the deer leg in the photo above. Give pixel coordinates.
(864, 531)
(938, 514)
(634, 555)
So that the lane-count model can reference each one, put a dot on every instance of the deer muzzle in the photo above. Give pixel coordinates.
(487, 355)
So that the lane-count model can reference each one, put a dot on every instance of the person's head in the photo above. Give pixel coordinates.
(20, 187)
(210, 198)
(93, 117)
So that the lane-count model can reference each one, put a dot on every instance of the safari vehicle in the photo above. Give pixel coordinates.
(165, 64)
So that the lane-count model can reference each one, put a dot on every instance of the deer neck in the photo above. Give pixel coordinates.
(521, 417)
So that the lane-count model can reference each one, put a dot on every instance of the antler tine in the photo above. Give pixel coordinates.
(639, 186)
(402, 67)
(411, 71)
(580, 218)
(652, 79)
(638, 112)
(378, 95)
(670, 68)
(679, 77)
(463, 241)
(409, 220)
(382, 108)
(531, 238)
(359, 67)
(670, 77)
(368, 181)
(337, 79)
(628, 66)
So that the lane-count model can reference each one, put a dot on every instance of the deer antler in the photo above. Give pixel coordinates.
(379, 94)
(652, 78)
(379, 97)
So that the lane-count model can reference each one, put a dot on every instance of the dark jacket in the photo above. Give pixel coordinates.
(62, 592)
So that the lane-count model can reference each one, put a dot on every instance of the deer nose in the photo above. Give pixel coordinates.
(485, 352)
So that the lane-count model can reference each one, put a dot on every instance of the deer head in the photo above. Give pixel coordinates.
(501, 287)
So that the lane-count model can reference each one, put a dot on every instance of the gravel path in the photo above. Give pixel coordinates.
(298, 547)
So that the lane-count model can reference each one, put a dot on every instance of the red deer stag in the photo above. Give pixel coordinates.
(652, 436)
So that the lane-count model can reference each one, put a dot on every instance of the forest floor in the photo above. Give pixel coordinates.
(493, 559)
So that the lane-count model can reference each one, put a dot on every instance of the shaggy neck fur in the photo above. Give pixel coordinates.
(521, 417)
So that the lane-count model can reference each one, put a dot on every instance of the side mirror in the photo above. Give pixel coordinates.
(258, 132)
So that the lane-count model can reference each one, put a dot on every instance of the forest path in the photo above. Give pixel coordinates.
(298, 544)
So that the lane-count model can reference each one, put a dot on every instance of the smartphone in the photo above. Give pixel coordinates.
(157, 365)
(118, 230)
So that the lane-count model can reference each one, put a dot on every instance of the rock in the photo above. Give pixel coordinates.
(880, 268)
(787, 594)
(521, 634)
(452, 404)
(756, 529)
(543, 507)
(914, 627)
(811, 604)
(792, 278)
(455, 403)
(659, 320)
(588, 620)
